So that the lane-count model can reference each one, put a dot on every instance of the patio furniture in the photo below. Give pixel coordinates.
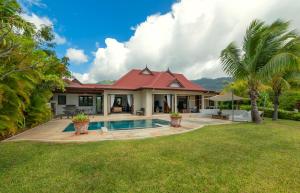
(69, 110)
(184, 111)
(117, 109)
(223, 117)
(140, 112)
(194, 110)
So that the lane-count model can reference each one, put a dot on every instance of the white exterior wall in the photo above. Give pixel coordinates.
(73, 99)
(141, 99)
(192, 101)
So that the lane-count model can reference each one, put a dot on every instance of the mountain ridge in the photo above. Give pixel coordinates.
(214, 84)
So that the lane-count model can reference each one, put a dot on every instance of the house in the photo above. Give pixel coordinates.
(150, 91)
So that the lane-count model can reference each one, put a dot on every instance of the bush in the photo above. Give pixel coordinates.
(80, 118)
(174, 114)
(282, 114)
(289, 100)
(245, 107)
(296, 117)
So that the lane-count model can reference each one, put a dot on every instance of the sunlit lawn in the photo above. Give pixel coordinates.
(226, 158)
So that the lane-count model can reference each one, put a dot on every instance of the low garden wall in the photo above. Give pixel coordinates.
(282, 114)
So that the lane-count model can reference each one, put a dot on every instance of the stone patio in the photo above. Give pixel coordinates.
(52, 131)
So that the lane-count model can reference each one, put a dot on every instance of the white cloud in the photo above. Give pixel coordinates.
(39, 22)
(76, 56)
(84, 78)
(189, 38)
(59, 40)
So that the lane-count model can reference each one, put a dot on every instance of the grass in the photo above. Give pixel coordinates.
(224, 158)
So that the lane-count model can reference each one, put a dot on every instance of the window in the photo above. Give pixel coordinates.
(175, 85)
(85, 101)
(61, 99)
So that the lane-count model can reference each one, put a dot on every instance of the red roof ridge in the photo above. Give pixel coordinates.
(133, 80)
(156, 79)
(124, 75)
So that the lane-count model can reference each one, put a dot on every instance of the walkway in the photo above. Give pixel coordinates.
(52, 131)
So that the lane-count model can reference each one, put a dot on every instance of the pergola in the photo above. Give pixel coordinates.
(228, 97)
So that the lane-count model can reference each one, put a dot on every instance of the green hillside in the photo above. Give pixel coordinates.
(213, 84)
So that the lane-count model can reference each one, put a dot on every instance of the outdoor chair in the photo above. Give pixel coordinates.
(140, 112)
(70, 110)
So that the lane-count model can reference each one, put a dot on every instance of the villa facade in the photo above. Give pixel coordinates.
(137, 91)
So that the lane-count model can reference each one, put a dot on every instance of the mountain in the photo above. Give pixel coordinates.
(213, 84)
(106, 82)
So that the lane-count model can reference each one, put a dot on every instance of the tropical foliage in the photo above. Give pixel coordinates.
(279, 82)
(290, 100)
(267, 50)
(29, 70)
(81, 117)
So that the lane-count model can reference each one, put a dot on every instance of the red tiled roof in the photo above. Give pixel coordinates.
(135, 80)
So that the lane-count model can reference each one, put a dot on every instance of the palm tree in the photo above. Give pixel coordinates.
(280, 82)
(266, 49)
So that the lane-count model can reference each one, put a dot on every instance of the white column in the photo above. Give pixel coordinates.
(175, 103)
(202, 102)
(105, 104)
(148, 103)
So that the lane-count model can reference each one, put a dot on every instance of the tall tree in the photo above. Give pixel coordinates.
(262, 54)
(280, 82)
(29, 70)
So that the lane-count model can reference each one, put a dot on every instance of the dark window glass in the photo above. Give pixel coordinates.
(85, 101)
(61, 99)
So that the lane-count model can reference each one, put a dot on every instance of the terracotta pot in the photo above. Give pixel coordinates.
(81, 127)
(175, 121)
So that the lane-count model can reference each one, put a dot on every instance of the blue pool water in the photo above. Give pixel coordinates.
(123, 125)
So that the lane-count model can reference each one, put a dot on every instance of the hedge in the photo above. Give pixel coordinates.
(282, 114)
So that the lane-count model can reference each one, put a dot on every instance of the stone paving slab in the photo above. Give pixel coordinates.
(52, 131)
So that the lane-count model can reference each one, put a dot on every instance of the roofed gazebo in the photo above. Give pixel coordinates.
(229, 96)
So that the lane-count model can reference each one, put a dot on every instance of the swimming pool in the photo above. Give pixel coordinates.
(123, 125)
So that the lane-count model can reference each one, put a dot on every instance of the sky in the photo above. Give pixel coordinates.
(104, 39)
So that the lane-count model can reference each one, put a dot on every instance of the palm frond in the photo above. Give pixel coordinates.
(231, 62)
(281, 62)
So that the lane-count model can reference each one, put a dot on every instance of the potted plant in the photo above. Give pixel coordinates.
(81, 123)
(175, 119)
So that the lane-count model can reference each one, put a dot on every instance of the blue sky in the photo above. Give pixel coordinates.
(87, 23)
(104, 39)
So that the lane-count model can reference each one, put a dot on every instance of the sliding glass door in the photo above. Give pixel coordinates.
(99, 104)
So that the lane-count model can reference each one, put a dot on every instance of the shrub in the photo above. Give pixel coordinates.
(296, 117)
(289, 100)
(174, 114)
(282, 114)
(81, 117)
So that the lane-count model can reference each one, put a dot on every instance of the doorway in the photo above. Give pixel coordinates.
(99, 104)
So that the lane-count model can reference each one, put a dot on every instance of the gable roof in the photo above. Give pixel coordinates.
(135, 80)
(75, 86)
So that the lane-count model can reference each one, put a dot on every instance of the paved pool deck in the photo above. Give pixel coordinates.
(52, 131)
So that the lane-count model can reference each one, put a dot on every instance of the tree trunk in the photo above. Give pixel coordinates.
(276, 104)
(254, 109)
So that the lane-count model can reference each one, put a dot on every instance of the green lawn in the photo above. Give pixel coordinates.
(227, 158)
